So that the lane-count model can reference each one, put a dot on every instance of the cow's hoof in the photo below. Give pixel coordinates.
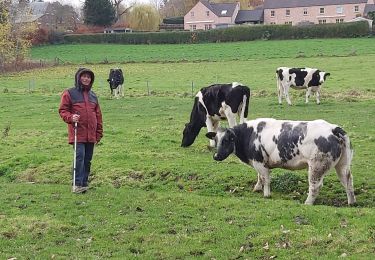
(257, 188)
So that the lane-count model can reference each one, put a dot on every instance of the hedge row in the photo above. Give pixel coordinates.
(232, 34)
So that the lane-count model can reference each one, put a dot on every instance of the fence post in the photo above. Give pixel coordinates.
(31, 85)
(148, 88)
(192, 88)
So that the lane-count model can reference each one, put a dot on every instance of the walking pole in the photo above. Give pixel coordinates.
(75, 155)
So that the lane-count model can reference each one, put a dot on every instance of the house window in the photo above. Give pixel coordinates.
(304, 11)
(272, 23)
(324, 21)
(339, 20)
(321, 10)
(192, 14)
(272, 13)
(339, 9)
(288, 22)
(208, 27)
(208, 13)
(356, 8)
(287, 12)
(193, 27)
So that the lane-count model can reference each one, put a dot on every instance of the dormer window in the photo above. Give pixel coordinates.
(224, 12)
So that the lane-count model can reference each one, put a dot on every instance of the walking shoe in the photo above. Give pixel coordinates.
(79, 189)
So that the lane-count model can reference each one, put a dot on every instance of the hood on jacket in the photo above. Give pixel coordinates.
(80, 71)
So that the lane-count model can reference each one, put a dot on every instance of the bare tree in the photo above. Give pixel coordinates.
(120, 8)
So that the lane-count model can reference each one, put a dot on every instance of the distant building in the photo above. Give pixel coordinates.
(118, 30)
(207, 15)
(52, 16)
(314, 11)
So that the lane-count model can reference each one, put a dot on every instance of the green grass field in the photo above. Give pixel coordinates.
(152, 199)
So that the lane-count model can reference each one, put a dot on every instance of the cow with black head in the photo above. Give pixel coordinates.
(116, 81)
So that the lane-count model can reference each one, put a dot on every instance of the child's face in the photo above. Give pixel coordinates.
(85, 79)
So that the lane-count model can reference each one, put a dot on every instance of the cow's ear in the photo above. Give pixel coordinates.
(108, 80)
(120, 70)
(328, 74)
(211, 135)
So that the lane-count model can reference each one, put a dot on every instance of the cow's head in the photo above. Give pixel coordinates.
(323, 76)
(225, 140)
(189, 134)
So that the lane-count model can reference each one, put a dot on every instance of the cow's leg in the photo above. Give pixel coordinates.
(230, 116)
(210, 128)
(308, 93)
(286, 94)
(258, 186)
(241, 110)
(264, 174)
(346, 179)
(317, 169)
(279, 91)
(318, 95)
(121, 90)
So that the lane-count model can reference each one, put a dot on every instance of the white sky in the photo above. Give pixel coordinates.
(79, 3)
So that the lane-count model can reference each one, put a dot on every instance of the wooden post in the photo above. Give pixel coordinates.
(192, 88)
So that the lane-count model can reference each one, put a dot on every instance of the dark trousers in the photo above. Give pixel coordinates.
(83, 163)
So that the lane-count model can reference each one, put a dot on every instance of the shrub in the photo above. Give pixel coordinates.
(236, 33)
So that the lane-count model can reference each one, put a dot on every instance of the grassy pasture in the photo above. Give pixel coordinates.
(155, 200)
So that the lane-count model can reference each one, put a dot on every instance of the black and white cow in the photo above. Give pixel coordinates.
(299, 78)
(214, 103)
(116, 81)
(267, 143)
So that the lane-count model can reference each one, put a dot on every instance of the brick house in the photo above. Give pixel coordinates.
(206, 15)
(295, 12)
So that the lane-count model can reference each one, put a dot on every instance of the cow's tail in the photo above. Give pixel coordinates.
(344, 164)
(245, 106)
(278, 84)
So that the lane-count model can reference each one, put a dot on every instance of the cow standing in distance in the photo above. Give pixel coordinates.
(299, 78)
(267, 143)
(213, 104)
(116, 81)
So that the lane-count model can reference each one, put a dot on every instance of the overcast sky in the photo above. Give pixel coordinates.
(79, 3)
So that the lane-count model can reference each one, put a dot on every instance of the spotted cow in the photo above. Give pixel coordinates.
(116, 81)
(267, 143)
(299, 78)
(213, 104)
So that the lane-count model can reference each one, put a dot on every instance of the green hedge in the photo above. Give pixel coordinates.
(232, 34)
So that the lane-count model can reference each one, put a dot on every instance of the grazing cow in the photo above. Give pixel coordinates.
(214, 103)
(299, 78)
(267, 143)
(116, 80)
